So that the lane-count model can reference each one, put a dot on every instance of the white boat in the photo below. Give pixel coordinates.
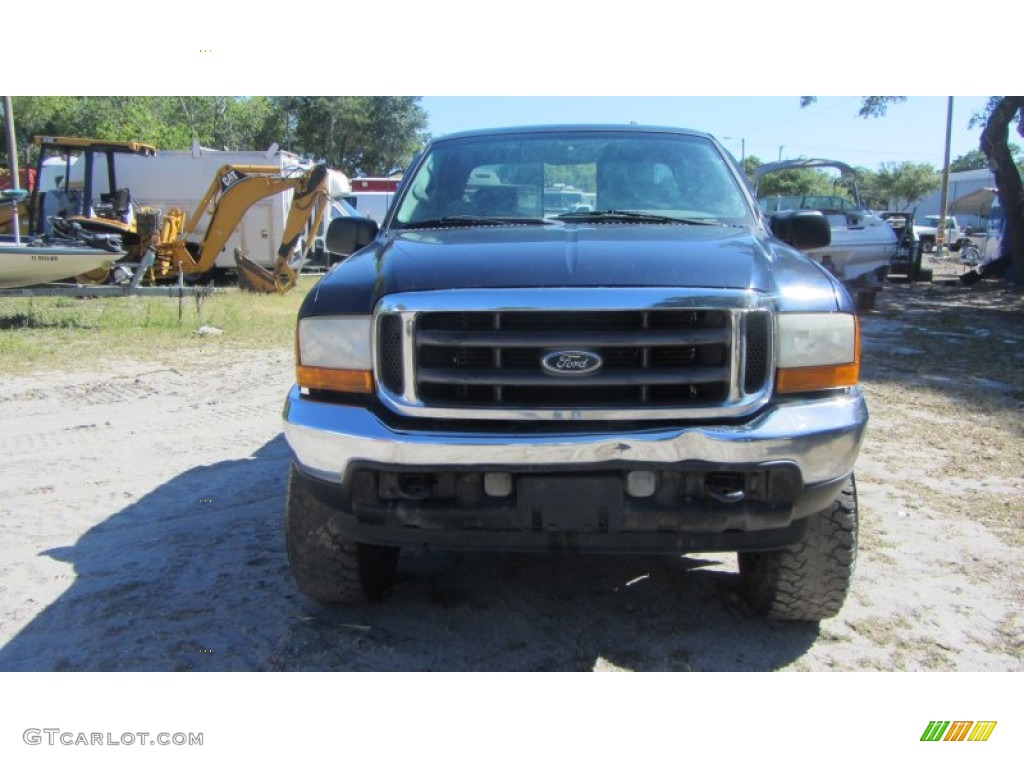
(35, 260)
(863, 243)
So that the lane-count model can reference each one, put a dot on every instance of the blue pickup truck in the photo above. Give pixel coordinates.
(663, 372)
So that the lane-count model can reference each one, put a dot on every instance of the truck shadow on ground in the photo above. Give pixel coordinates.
(193, 576)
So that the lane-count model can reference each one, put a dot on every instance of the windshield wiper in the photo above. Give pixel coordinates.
(629, 216)
(468, 220)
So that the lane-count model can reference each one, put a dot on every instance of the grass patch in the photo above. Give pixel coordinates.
(882, 630)
(1010, 639)
(65, 334)
(934, 659)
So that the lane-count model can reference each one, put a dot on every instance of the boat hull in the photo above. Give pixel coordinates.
(24, 265)
(856, 253)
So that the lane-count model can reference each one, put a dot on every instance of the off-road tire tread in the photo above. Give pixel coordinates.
(808, 581)
(326, 565)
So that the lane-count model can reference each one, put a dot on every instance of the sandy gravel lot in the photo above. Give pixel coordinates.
(140, 523)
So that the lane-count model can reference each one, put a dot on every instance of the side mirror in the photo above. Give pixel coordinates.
(802, 229)
(348, 234)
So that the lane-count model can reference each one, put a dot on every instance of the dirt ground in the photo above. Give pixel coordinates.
(140, 522)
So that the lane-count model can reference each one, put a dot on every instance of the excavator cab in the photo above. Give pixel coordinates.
(76, 197)
(72, 199)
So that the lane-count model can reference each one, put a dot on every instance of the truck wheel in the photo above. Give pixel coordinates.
(927, 244)
(808, 581)
(326, 565)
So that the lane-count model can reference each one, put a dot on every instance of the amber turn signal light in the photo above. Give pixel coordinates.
(789, 380)
(333, 379)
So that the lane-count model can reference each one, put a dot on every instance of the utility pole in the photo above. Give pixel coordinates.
(940, 233)
(12, 162)
(12, 150)
(743, 147)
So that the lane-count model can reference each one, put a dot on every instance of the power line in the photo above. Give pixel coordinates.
(810, 113)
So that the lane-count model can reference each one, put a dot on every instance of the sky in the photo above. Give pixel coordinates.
(770, 127)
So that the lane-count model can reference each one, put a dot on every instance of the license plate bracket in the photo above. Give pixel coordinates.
(570, 503)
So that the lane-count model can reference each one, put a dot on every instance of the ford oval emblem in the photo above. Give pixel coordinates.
(571, 362)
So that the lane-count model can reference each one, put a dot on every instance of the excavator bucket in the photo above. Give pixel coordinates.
(256, 279)
(307, 209)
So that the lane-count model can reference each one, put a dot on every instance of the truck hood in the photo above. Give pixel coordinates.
(574, 255)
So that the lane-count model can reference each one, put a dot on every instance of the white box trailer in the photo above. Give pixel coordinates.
(179, 179)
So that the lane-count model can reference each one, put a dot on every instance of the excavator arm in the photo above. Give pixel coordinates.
(234, 190)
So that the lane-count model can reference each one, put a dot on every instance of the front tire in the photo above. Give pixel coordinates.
(808, 581)
(326, 565)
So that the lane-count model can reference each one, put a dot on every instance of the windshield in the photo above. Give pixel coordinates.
(827, 204)
(572, 176)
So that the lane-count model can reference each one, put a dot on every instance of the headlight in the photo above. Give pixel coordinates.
(817, 351)
(333, 352)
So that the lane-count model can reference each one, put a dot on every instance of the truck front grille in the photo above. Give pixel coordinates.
(666, 358)
(650, 363)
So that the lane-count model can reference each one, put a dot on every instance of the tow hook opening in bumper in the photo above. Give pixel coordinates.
(726, 487)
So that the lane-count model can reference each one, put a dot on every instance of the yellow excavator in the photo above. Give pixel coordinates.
(162, 246)
(234, 189)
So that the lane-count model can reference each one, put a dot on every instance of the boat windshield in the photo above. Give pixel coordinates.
(827, 204)
(572, 176)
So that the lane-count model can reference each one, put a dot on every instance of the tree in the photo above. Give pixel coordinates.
(750, 163)
(359, 134)
(900, 183)
(1001, 111)
(225, 122)
(975, 160)
(870, 106)
(396, 131)
(799, 181)
(171, 122)
(362, 135)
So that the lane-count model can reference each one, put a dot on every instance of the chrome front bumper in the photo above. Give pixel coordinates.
(821, 437)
